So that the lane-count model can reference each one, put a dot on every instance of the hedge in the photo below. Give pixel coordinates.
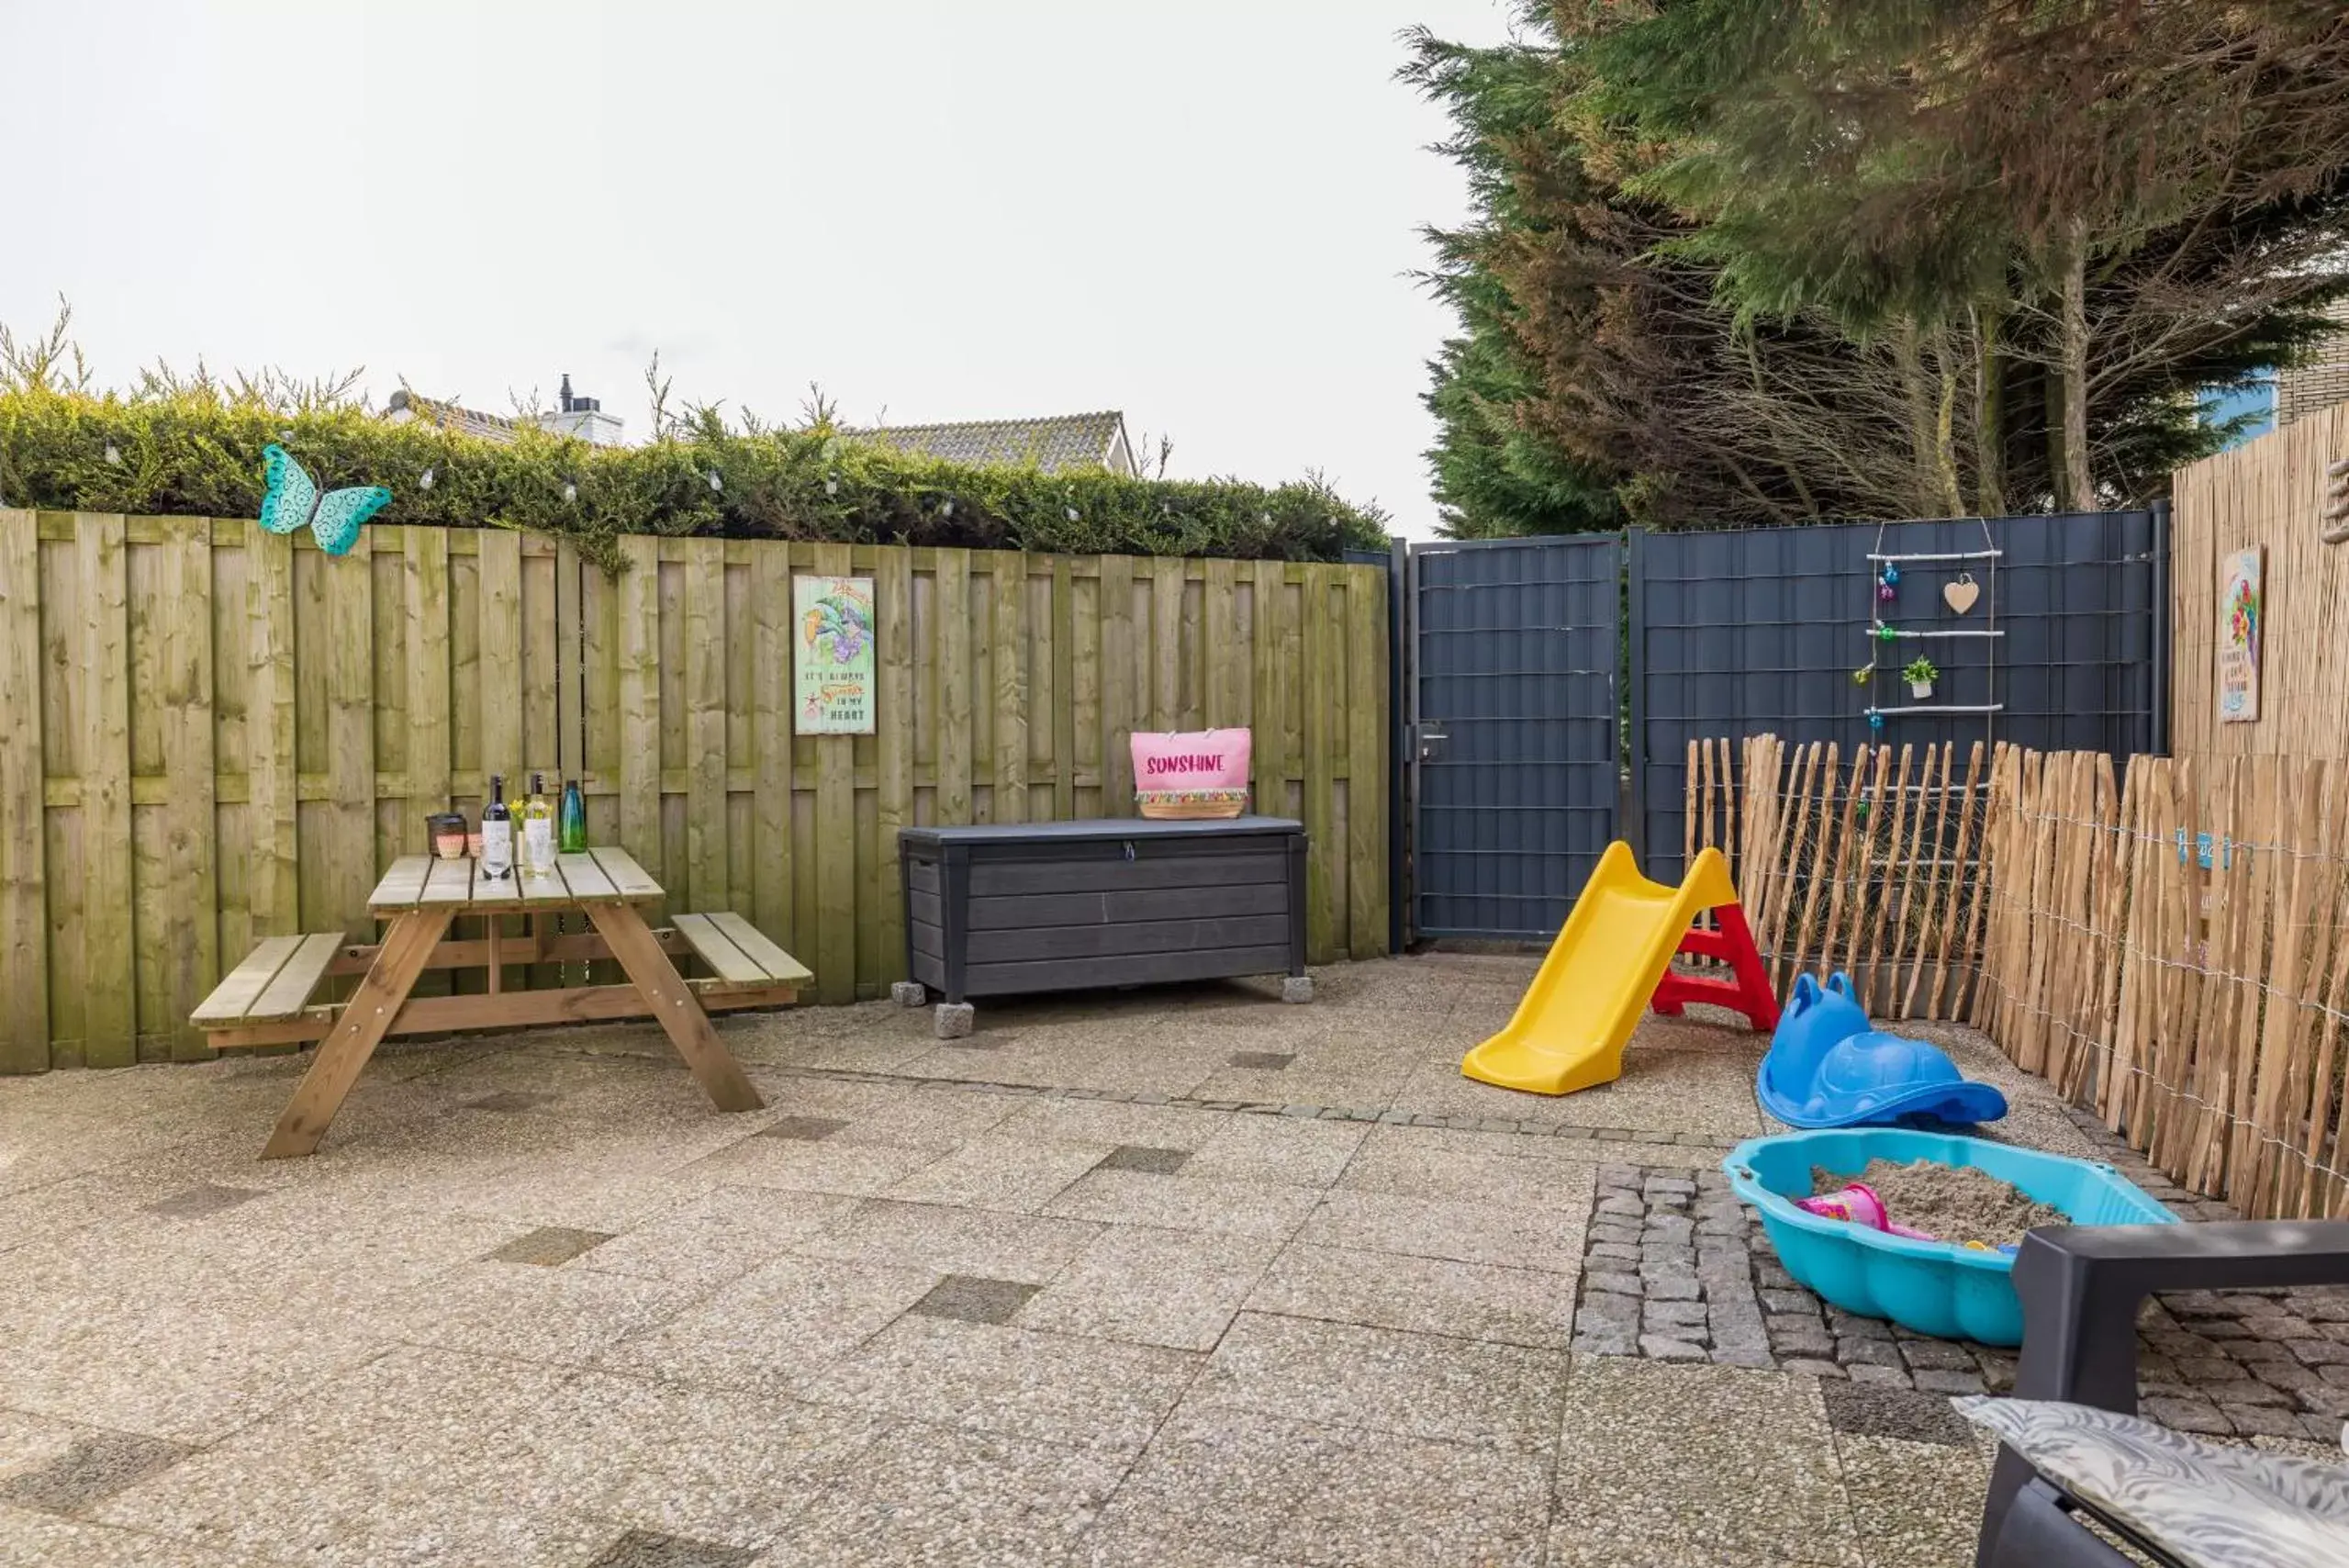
(199, 453)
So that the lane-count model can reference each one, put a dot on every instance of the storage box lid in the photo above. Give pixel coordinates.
(1096, 828)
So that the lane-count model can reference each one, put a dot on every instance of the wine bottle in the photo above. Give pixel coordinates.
(538, 831)
(574, 826)
(497, 833)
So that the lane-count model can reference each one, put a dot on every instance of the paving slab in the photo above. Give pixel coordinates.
(947, 1239)
(1152, 1286)
(1014, 1383)
(1546, 1239)
(1182, 1202)
(925, 1494)
(1915, 1504)
(719, 1235)
(1416, 1385)
(1429, 1295)
(398, 1462)
(718, 1466)
(1729, 1461)
(772, 1329)
(996, 1172)
(1278, 1150)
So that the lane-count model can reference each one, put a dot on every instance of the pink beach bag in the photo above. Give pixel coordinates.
(1198, 773)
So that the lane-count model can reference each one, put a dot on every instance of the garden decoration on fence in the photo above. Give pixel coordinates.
(293, 498)
(2332, 516)
(1960, 594)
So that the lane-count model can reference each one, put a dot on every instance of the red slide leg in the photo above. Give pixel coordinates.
(1747, 992)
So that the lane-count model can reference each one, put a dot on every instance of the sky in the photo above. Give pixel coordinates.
(1206, 215)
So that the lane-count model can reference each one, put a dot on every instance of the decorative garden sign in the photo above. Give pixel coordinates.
(832, 656)
(2240, 610)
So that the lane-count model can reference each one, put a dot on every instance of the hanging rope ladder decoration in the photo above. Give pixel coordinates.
(1882, 581)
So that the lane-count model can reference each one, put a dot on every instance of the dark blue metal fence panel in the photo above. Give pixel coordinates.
(1514, 702)
(1739, 633)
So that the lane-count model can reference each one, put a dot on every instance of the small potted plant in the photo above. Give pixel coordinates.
(1921, 674)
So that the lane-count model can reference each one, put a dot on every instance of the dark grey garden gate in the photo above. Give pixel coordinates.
(1513, 729)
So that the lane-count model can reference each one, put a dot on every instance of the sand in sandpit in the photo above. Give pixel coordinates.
(1953, 1203)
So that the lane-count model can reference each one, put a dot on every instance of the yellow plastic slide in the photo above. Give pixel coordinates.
(1576, 1017)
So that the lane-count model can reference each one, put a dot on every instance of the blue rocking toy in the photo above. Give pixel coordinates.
(1826, 1068)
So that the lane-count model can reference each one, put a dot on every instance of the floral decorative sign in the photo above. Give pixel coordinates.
(2241, 610)
(832, 656)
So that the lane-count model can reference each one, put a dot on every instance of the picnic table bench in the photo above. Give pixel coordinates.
(268, 998)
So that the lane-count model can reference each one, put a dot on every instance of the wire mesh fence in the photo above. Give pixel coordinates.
(2168, 945)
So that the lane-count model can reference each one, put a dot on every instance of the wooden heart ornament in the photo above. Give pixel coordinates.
(1961, 595)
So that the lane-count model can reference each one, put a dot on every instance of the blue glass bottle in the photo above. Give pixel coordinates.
(571, 820)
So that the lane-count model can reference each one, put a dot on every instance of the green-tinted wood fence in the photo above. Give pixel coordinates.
(209, 736)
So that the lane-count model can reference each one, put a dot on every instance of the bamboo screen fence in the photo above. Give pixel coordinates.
(2168, 945)
(2266, 493)
(210, 735)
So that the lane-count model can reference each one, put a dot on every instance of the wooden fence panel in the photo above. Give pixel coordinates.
(24, 916)
(227, 732)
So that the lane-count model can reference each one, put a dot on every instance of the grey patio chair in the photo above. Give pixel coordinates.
(2081, 1288)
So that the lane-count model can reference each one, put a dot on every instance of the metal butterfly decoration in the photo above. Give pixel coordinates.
(293, 498)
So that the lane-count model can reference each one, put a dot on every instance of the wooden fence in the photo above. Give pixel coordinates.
(2266, 493)
(1859, 864)
(2177, 957)
(208, 734)
(2167, 944)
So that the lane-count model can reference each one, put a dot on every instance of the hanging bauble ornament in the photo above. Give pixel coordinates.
(1892, 573)
(1875, 719)
(1886, 593)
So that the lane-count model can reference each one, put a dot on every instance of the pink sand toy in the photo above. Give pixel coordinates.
(1859, 1205)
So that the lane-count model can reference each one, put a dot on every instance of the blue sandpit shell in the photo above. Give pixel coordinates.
(1826, 1068)
(1934, 1287)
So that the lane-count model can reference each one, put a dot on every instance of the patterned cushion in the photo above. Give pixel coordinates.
(2203, 1504)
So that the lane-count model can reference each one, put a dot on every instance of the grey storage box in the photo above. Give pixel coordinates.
(1116, 901)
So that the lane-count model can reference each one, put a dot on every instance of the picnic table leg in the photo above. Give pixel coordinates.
(631, 942)
(345, 1051)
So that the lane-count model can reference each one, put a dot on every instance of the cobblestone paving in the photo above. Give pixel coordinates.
(1674, 1269)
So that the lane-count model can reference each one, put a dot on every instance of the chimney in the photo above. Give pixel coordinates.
(582, 416)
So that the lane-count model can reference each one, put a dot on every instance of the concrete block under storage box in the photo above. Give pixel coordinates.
(1018, 908)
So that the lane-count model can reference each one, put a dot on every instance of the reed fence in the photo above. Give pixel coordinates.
(2265, 493)
(210, 735)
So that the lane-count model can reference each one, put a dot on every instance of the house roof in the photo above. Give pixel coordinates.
(406, 404)
(1051, 444)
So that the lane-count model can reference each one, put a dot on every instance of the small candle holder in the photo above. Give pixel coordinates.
(446, 830)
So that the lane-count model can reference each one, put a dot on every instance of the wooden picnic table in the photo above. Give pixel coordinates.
(266, 999)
